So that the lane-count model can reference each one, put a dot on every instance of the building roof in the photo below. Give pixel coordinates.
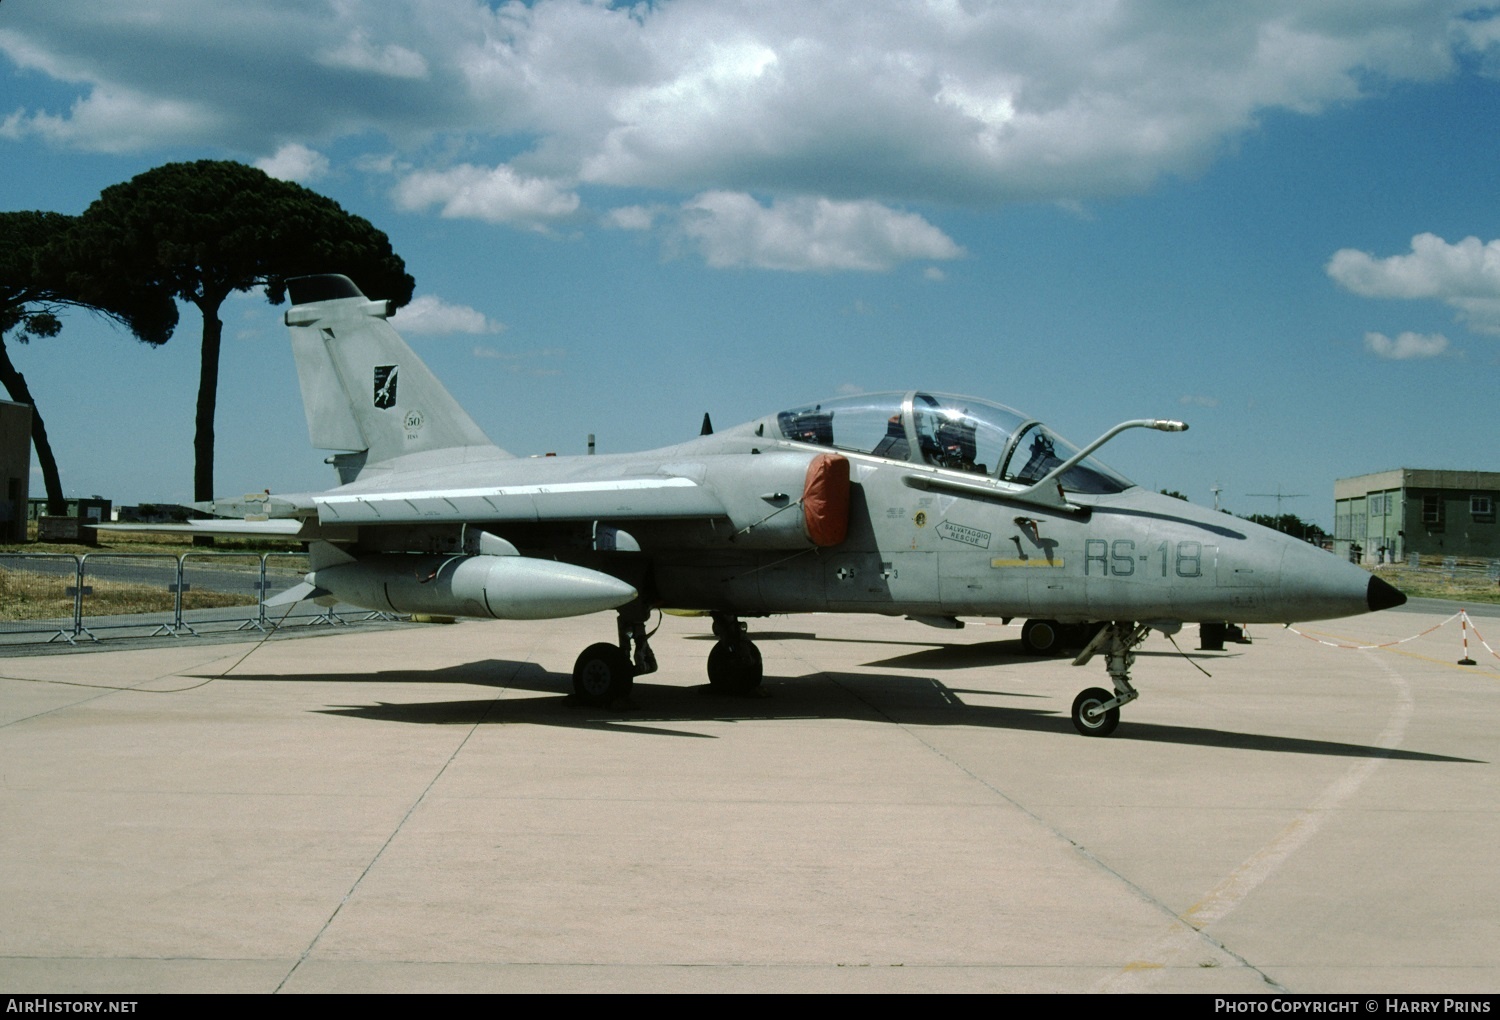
(1416, 478)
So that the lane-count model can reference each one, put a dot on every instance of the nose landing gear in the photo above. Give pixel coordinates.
(1096, 712)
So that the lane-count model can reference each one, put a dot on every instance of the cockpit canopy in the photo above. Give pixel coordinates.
(941, 430)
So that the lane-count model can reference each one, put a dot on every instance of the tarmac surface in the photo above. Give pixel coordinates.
(422, 808)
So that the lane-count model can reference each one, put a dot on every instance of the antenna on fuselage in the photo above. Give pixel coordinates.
(708, 426)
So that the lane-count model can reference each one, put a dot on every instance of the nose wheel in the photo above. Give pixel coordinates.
(1090, 717)
(1096, 712)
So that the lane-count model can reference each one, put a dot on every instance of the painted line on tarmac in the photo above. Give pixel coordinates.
(1175, 949)
(1229, 893)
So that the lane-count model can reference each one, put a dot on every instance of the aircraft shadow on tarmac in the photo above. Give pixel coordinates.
(993, 653)
(660, 709)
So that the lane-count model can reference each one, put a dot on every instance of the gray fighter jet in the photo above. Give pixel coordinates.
(919, 505)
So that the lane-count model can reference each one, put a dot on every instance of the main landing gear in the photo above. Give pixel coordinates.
(1096, 712)
(734, 665)
(1049, 637)
(605, 673)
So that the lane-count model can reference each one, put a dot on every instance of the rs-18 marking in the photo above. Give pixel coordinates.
(1118, 558)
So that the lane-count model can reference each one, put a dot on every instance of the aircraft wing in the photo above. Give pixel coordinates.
(263, 529)
(654, 497)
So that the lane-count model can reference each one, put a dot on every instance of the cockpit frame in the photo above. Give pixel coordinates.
(939, 430)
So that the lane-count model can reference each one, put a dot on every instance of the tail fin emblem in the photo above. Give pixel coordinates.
(385, 386)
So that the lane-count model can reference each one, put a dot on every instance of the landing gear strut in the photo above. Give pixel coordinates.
(734, 665)
(605, 673)
(1096, 712)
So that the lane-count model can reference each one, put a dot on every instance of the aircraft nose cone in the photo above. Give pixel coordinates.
(1383, 596)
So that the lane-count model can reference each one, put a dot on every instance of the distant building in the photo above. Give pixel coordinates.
(95, 509)
(154, 513)
(1415, 510)
(15, 469)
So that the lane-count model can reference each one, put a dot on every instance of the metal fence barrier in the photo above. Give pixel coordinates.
(120, 588)
(41, 595)
(64, 597)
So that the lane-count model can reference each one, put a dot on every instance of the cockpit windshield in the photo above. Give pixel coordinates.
(958, 433)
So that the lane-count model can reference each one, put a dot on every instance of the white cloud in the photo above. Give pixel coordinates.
(495, 195)
(1406, 346)
(1434, 269)
(902, 101)
(432, 315)
(630, 217)
(1465, 276)
(732, 229)
(294, 162)
(116, 120)
(358, 53)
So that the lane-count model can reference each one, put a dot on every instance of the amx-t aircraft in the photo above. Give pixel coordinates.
(920, 505)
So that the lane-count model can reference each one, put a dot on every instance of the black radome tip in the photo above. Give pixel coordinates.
(1383, 596)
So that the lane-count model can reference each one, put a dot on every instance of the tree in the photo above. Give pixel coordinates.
(207, 229)
(1289, 524)
(35, 286)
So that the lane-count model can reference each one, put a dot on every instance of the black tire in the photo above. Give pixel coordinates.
(1211, 636)
(735, 668)
(1041, 637)
(1100, 726)
(602, 675)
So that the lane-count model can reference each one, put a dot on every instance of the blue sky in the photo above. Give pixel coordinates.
(1278, 221)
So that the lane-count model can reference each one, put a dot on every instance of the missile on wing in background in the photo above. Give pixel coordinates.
(500, 587)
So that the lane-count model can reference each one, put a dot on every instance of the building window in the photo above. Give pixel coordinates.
(1432, 509)
(1482, 507)
(1377, 504)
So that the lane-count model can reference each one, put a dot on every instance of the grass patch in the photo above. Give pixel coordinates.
(154, 542)
(1468, 583)
(40, 597)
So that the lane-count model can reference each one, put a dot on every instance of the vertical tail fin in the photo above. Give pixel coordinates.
(363, 388)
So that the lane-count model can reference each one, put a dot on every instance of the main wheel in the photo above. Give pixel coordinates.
(602, 674)
(735, 668)
(1088, 720)
(1041, 637)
